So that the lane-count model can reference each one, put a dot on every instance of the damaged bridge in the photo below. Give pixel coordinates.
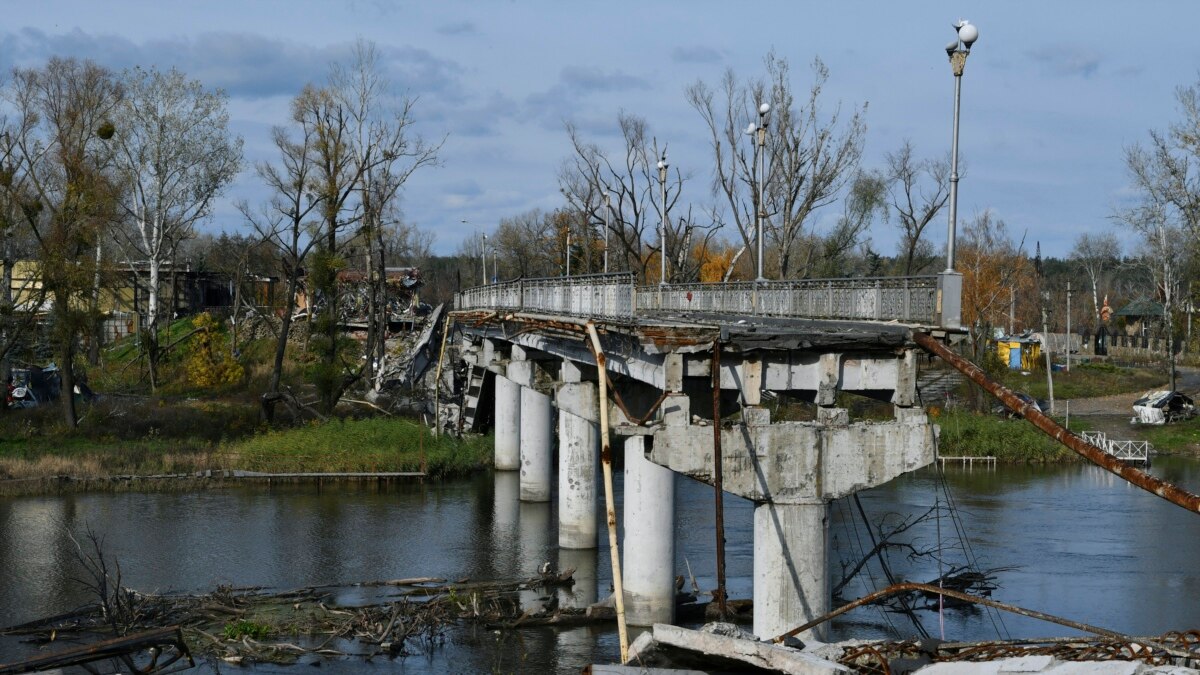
(691, 369)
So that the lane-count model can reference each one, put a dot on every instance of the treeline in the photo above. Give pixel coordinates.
(105, 171)
(100, 168)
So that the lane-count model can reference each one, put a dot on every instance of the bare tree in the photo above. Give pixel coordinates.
(387, 153)
(1095, 255)
(865, 199)
(810, 158)
(287, 224)
(176, 154)
(917, 191)
(64, 186)
(638, 202)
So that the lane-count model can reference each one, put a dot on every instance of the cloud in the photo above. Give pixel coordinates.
(243, 64)
(458, 28)
(1066, 61)
(562, 100)
(696, 54)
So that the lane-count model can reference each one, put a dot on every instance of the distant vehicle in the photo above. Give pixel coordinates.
(1037, 405)
(1162, 407)
(32, 386)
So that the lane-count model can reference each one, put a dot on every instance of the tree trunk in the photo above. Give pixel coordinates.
(151, 332)
(97, 336)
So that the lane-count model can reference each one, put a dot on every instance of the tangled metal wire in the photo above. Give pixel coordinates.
(1173, 648)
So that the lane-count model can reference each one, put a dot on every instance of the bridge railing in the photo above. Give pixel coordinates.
(608, 296)
(907, 299)
(927, 300)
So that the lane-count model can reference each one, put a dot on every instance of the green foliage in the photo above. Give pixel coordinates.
(243, 628)
(966, 434)
(376, 444)
(209, 363)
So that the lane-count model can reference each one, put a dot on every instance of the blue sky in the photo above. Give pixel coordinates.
(1053, 91)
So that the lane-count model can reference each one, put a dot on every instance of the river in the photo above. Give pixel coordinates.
(1074, 541)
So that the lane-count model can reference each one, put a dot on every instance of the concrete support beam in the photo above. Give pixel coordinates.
(578, 455)
(537, 450)
(905, 392)
(797, 462)
(791, 585)
(648, 549)
(507, 420)
(829, 375)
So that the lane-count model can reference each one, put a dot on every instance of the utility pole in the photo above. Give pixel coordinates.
(1070, 338)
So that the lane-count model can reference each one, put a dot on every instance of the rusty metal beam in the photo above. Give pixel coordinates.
(718, 488)
(1168, 491)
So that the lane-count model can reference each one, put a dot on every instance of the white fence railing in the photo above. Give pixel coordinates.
(917, 300)
(1127, 451)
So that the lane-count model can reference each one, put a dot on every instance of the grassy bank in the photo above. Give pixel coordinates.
(967, 434)
(1179, 438)
(1086, 380)
(376, 444)
(148, 437)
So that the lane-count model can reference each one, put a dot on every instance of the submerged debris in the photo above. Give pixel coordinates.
(246, 625)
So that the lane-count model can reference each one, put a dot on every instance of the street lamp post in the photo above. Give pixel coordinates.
(495, 265)
(607, 210)
(760, 211)
(958, 50)
(662, 223)
(483, 258)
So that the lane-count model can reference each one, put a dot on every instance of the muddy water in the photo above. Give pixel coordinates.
(1079, 543)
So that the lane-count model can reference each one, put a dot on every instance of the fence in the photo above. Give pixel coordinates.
(1137, 452)
(908, 299)
(614, 296)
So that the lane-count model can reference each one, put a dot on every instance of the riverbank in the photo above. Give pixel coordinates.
(57, 463)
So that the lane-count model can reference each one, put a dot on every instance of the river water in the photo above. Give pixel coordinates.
(1074, 541)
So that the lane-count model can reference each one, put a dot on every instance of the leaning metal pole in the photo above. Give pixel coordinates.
(610, 507)
(1090, 452)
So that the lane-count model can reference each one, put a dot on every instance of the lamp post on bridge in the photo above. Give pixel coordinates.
(483, 257)
(607, 211)
(662, 222)
(759, 132)
(958, 52)
(950, 281)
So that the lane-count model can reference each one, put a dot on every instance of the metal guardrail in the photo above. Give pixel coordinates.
(907, 299)
(916, 300)
(602, 296)
(1127, 451)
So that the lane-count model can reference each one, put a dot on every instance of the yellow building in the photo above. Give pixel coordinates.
(1020, 353)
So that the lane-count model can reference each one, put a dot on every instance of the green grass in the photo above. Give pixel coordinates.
(1086, 380)
(967, 434)
(376, 444)
(1181, 437)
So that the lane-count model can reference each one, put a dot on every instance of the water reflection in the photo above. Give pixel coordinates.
(1084, 545)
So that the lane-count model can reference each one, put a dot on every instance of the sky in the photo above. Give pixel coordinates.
(1053, 94)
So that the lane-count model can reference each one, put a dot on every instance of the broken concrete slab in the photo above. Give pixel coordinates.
(674, 647)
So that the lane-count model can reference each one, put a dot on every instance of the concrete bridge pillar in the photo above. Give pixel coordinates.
(578, 452)
(648, 549)
(791, 584)
(537, 450)
(508, 415)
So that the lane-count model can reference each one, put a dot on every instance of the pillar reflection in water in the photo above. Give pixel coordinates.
(506, 523)
(536, 546)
